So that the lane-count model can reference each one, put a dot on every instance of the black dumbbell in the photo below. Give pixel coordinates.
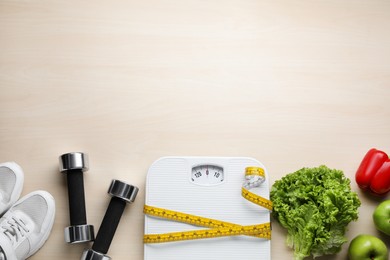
(122, 194)
(74, 165)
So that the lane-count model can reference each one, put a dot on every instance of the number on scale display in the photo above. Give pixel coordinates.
(207, 175)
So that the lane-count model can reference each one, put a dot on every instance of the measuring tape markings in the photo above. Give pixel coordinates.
(252, 197)
(261, 232)
(219, 228)
(254, 176)
(185, 218)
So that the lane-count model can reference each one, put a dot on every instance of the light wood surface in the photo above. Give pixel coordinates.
(290, 83)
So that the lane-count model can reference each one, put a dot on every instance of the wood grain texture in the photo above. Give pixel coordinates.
(291, 83)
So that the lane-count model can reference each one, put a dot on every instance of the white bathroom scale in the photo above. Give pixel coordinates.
(209, 187)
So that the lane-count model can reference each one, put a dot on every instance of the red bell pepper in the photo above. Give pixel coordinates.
(381, 183)
(374, 172)
(369, 166)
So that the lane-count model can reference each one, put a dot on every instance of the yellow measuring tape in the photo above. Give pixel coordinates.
(254, 177)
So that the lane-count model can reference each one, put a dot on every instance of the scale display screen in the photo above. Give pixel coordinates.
(207, 174)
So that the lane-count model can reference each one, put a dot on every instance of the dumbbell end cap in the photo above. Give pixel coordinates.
(79, 234)
(123, 191)
(73, 161)
(90, 254)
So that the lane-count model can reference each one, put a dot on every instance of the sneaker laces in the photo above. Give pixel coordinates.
(15, 229)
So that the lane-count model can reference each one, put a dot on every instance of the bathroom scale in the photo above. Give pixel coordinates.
(204, 190)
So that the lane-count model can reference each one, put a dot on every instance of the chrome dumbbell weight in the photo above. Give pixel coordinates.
(74, 165)
(122, 194)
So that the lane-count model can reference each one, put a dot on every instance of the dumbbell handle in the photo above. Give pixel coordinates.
(77, 211)
(109, 225)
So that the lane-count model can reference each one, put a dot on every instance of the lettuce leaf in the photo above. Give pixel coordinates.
(315, 205)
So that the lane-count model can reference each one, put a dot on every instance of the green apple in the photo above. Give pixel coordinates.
(367, 247)
(381, 217)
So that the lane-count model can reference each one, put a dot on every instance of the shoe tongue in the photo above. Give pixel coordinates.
(25, 220)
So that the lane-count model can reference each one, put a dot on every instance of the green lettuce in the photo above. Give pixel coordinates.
(315, 205)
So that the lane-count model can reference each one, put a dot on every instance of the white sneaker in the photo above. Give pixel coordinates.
(11, 185)
(27, 225)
